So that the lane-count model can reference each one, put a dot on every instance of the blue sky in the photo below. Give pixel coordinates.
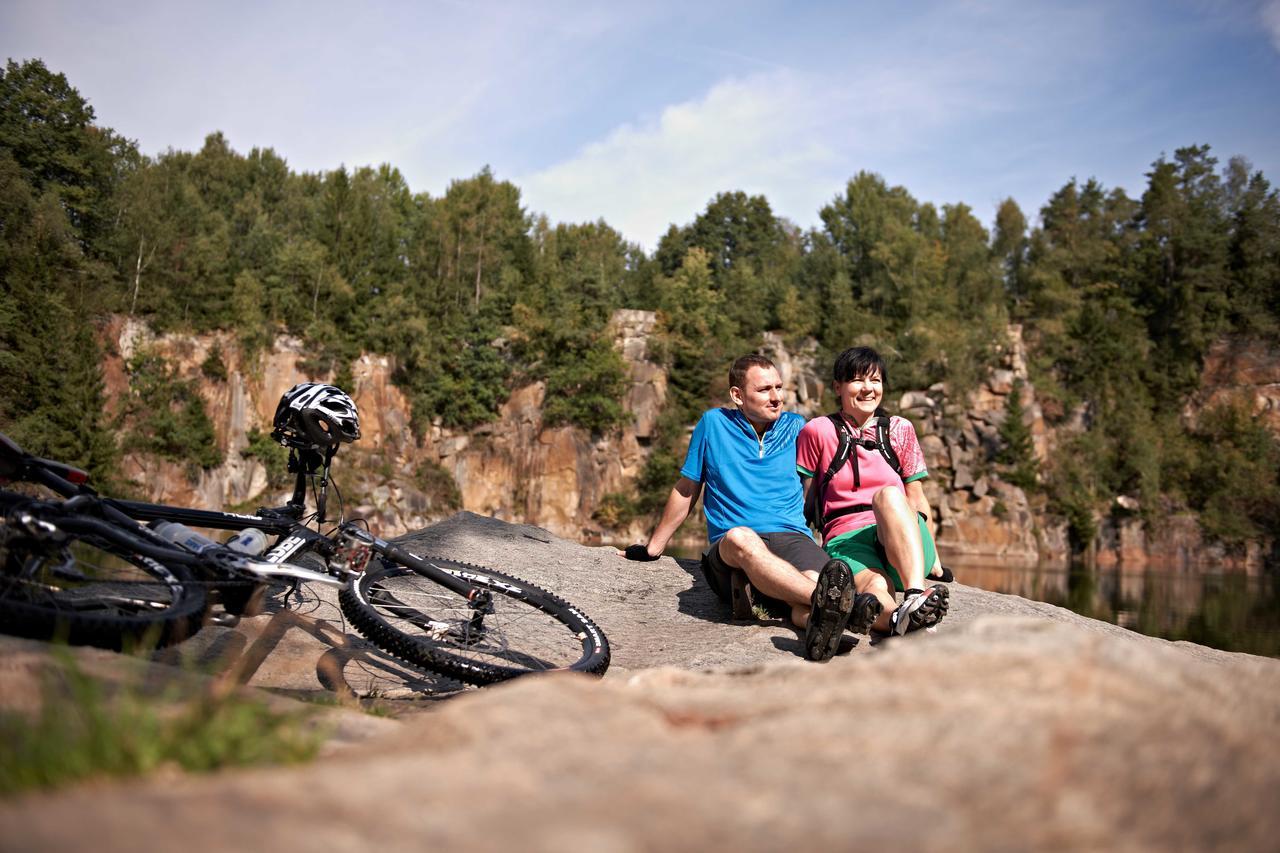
(640, 113)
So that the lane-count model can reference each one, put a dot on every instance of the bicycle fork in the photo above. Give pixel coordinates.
(479, 600)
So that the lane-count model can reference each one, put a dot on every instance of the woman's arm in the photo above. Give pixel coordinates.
(918, 501)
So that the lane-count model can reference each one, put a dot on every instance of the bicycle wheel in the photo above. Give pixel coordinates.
(88, 592)
(528, 629)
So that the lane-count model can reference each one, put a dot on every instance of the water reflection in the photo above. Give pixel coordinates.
(1234, 612)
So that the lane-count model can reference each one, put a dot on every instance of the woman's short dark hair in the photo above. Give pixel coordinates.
(738, 370)
(859, 361)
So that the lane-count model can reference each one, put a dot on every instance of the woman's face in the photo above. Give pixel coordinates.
(860, 397)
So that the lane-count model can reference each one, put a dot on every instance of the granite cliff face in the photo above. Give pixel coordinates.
(513, 469)
(518, 469)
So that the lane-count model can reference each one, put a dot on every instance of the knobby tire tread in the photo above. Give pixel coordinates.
(46, 621)
(427, 654)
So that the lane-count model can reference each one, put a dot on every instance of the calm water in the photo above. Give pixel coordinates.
(1226, 611)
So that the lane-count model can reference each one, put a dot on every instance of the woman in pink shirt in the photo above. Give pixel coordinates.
(873, 517)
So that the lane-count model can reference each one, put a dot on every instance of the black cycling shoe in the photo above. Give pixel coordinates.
(866, 609)
(741, 596)
(829, 613)
(920, 609)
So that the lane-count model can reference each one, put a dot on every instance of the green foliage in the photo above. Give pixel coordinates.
(438, 485)
(1181, 267)
(750, 255)
(616, 510)
(51, 387)
(83, 731)
(1253, 253)
(695, 339)
(1009, 247)
(921, 288)
(214, 365)
(462, 385)
(1074, 490)
(586, 387)
(165, 415)
(47, 127)
(562, 334)
(273, 456)
(1234, 480)
(660, 472)
(469, 294)
(1017, 451)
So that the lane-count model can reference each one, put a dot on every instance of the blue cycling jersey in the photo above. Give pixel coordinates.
(747, 480)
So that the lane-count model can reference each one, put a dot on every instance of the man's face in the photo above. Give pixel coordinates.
(761, 397)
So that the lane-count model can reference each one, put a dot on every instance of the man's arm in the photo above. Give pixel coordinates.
(679, 504)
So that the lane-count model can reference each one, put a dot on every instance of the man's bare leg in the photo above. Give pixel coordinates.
(742, 548)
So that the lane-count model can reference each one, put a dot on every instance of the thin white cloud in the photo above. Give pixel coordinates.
(641, 113)
(793, 137)
(743, 134)
(1270, 13)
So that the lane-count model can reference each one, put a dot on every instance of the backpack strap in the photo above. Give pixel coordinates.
(885, 446)
(813, 510)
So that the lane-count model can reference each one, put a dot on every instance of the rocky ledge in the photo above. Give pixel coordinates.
(1014, 725)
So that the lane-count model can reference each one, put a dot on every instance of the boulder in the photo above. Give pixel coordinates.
(1028, 726)
(913, 400)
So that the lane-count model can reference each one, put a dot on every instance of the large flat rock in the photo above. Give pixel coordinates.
(1015, 725)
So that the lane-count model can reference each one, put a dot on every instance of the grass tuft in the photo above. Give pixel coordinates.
(85, 730)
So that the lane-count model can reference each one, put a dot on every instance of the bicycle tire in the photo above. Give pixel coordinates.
(89, 592)
(403, 612)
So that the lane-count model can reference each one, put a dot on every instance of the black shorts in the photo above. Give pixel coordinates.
(798, 549)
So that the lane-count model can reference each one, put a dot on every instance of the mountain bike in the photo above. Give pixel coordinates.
(92, 570)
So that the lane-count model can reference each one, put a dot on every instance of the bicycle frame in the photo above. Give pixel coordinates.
(475, 625)
(293, 537)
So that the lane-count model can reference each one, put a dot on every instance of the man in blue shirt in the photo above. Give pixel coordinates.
(745, 458)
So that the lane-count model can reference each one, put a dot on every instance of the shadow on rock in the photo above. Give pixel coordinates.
(698, 600)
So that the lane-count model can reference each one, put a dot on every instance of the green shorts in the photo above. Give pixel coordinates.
(862, 550)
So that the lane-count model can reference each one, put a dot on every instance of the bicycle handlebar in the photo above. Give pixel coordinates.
(143, 541)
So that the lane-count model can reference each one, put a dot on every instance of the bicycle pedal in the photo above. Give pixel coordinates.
(224, 620)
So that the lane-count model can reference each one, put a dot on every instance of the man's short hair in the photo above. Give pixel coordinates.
(859, 361)
(738, 372)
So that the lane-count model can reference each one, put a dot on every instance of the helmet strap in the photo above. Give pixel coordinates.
(306, 463)
(322, 488)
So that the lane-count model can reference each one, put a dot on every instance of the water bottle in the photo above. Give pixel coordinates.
(183, 536)
(251, 542)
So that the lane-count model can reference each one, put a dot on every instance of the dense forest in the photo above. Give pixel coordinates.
(1119, 299)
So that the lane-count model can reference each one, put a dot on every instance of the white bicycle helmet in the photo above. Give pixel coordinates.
(314, 416)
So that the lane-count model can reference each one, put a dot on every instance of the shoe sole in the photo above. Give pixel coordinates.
(866, 610)
(935, 607)
(829, 613)
(925, 610)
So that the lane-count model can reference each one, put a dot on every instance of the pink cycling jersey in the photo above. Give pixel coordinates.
(817, 445)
